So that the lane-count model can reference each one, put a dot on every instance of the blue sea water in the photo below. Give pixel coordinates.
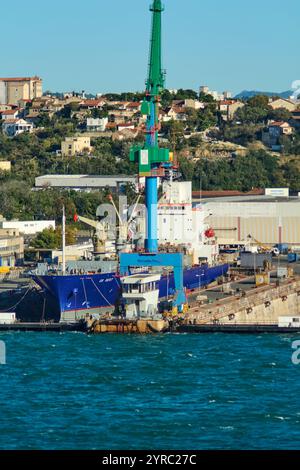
(214, 391)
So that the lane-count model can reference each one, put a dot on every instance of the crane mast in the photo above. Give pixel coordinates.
(152, 159)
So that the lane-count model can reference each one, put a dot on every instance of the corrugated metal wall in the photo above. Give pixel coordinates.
(268, 223)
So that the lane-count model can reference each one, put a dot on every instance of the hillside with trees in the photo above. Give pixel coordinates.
(35, 154)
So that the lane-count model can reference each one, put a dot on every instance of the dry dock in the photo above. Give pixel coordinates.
(257, 306)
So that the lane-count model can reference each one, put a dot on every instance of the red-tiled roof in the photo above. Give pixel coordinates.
(133, 105)
(278, 124)
(91, 102)
(9, 111)
(227, 102)
(178, 110)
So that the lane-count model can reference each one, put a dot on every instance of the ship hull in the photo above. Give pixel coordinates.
(79, 295)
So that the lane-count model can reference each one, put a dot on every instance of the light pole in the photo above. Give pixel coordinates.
(199, 276)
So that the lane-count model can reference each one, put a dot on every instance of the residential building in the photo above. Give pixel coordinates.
(93, 104)
(295, 121)
(193, 104)
(26, 227)
(215, 94)
(14, 127)
(11, 247)
(124, 126)
(23, 103)
(271, 134)
(12, 90)
(227, 95)
(10, 114)
(5, 165)
(75, 146)
(281, 103)
(228, 108)
(96, 125)
(174, 113)
(43, 105)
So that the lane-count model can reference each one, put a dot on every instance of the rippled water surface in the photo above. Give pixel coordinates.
(73, 391)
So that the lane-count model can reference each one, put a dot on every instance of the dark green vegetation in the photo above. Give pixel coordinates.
(258, 169)
(32, 155)
(52, 239)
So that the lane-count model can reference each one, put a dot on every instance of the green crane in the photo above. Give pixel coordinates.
(153, 161)
(156, 77)
(150, 157)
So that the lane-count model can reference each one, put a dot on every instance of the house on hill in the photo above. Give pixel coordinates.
(272, 134)
(281, 103)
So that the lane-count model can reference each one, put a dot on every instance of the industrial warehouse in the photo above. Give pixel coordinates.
(84, 182)
(265, 219)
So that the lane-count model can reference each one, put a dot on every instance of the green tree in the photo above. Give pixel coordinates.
(259, 101)
(291, 174)
(174, 131)
(48, 238)
(279, 114)
(252, 114)
(166, 99)
(186, 95)
(204, 98)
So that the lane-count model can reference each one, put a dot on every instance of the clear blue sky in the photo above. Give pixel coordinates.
(101, 45)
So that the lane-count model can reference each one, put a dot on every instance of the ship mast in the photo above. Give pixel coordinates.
(63, 233)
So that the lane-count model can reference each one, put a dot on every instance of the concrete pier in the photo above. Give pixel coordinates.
(257, 306)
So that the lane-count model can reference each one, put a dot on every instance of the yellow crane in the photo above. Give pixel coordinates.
(260, 244)
(265, 248)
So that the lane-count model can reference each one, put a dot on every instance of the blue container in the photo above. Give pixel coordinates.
(292, 257)
(283, 248)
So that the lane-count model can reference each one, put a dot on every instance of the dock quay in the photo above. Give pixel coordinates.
(45, 327)
(237, 329)
(257, 306)
(250, 310)
(236, 305)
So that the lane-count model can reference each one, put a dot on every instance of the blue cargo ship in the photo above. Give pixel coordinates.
(94, 287)
(79, 295)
